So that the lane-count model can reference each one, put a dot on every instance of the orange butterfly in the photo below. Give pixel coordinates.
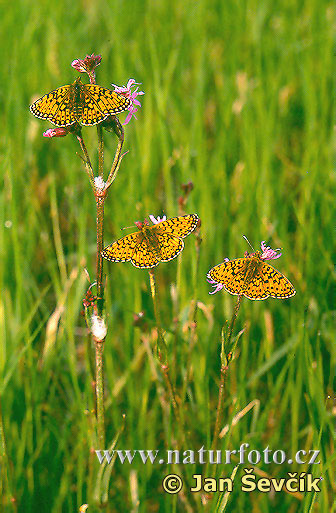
(252, 277)
(87, 104)
(152, 244)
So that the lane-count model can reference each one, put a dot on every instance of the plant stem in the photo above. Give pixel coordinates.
(100, 195)
(87, 161)
(223, 370)
(226, 355)
(99, 346)
(227, 341)
(100, 200)
(5, 472)
(99, 343)
(162, 350)
(119, 131)
(100, 151)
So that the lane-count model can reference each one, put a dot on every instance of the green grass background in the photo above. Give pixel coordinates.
(239, 100)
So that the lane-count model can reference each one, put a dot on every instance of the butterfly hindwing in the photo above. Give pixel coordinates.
(143, 256)
(170, 246)
(122, 249)
(230, 274)
(256, 288)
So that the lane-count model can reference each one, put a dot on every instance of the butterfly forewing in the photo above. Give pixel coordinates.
(107, 101)
(56, 106)
(180, 226)
(97, 103)
(255, 288)
(122, 249)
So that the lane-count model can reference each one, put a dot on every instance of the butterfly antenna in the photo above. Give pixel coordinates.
(126, 227)
(248, 242)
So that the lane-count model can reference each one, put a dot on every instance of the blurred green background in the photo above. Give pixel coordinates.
(239, 100)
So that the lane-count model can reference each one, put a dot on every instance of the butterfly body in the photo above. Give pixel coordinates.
(86, 104)
(252, 277)
(152, 244)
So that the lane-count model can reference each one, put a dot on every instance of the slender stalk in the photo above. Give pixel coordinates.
(100, 195)
(119, 131)
(193, 316)
(99, 342)
(100, 200)
(99, 346)
(227, 342)
(100, 151)
(162, 350)
(87, 161)
(220, 402)
(5, 473)
(226, 355)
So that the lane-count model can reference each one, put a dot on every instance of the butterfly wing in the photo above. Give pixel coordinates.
(56, 106)
(180, 226)
(170, 246)
(231, 275)
(97, 103)
(144, 257)
(255, 289)
(269, 282)
(122, 249)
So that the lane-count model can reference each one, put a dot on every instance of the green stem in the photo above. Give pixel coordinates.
(100, 151)
(219, 406)
(162, 353)
(99, 342)
(162, 348)
(226, 354)
(5, 473)
(119, 131)
(87, 161)
(227, 341)
(99, 346)
(100, 200)
(100, 195)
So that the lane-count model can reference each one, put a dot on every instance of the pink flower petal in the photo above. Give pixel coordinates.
(56, 132)
(131, 95)
(268, 253)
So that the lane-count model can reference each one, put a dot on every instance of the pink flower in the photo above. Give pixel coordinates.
(88, 64)
(269, 253)
(157, 220)
(56, 132)
(127, 91)
(217, 286)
